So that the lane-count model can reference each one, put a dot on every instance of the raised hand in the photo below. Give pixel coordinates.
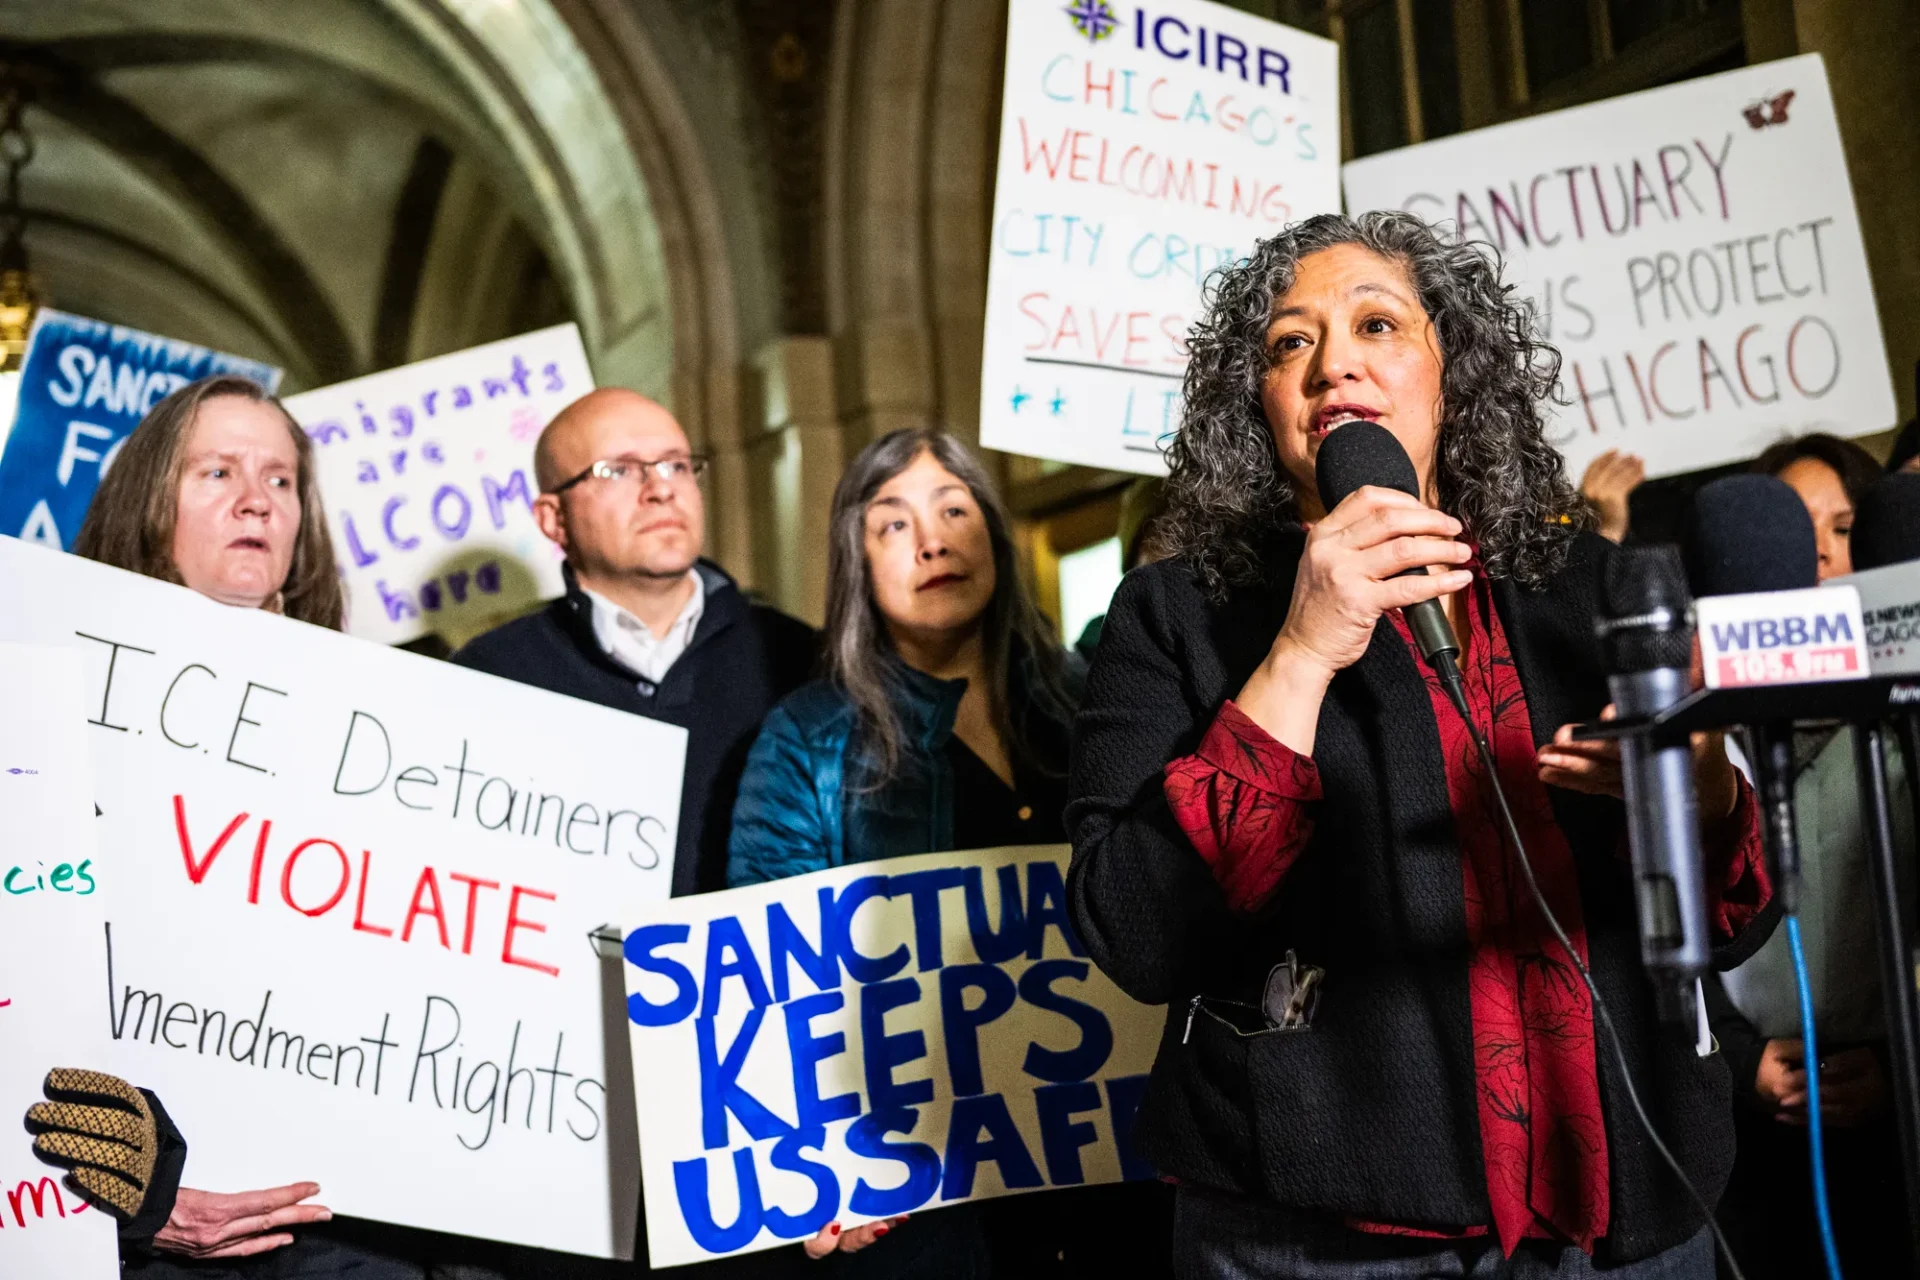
(1609, 482)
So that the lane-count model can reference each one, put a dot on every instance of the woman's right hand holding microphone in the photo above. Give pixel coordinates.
(1345, 581)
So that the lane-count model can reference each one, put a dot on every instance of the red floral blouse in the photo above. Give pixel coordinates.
(1246, 803)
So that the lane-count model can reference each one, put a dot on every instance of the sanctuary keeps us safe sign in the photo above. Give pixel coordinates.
(872, 1040)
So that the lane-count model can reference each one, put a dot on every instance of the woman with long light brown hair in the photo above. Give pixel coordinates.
(215, 490)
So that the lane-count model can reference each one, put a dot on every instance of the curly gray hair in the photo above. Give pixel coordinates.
(1227, 492)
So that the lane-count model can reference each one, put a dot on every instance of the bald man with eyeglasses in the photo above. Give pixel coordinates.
(647, 625)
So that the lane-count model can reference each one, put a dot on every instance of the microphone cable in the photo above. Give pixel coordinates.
(1449, 674)
(1810, 1061)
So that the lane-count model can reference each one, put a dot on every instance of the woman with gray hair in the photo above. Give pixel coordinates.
(1379, 1058)
(941, 723)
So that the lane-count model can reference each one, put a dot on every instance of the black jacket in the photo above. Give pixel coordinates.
(1371, 1112)
(743, 658)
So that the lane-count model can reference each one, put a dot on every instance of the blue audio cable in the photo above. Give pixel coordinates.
(1811, 1061)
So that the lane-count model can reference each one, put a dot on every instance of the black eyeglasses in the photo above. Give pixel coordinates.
(622, 471)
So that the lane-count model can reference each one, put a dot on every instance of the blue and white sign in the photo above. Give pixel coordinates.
(876, 1039)
(84, 387)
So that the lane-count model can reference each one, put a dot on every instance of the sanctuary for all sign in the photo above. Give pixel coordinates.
(84, 386)
(1142, 146)
(350, 896)
(1693, 252)
(51, 969)
(872, 1040)
(427, 471)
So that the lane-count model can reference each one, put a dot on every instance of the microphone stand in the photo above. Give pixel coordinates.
(1897, 959)
(1864, 704)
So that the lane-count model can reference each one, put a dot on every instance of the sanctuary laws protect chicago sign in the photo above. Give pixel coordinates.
(349, 893)
(876, 1039)
(1142, 146)
(1692, 251)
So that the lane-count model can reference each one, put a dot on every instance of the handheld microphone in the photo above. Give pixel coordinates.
(1751, 533)
(1646, 645)
(1366, 453)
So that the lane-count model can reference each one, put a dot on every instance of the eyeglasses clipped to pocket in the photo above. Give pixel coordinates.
(1286, 1004)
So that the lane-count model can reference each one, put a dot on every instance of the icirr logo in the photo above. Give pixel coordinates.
(1093, 19)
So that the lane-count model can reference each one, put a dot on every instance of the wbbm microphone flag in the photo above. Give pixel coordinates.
(1782, 637)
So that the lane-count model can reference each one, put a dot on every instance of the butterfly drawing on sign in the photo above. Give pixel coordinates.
(1768, 110)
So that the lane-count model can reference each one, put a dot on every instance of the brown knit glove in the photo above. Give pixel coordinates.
(99, 1127)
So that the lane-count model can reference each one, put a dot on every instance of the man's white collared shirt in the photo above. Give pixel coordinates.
(632, 644)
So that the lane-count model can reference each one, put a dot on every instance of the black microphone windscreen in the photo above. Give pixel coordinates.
(1886, 527)
(1749, 533)
(1639, 586)
(1362, 453)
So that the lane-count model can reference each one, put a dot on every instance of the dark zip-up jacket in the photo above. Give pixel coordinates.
(742, 659)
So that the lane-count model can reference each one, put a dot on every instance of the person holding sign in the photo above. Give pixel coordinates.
(215, 490)
(942, 723)
(1379, 1060)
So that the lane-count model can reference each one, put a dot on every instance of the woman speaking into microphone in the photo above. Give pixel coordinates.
(1378, 1059)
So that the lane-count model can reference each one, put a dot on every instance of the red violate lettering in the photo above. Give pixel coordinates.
(340, 890)
(259, 856)
(197, 871)
(473, 893)
(427, 883)
(360, 901)
(514, 923)
(426, 901)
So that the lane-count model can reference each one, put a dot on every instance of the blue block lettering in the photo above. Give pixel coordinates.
(1061, 1136)
(1047, 905)
(696, 1206)
(786, 943)
(730, 955)
(967, 1150)
(720, 1090)
(863, 968)
(924, 888)
(807, 1052)
(884, 1051)
(996, 946)
(639, 948)
(1096, 1033)
(787, 1154)
(867, 1137)
(963, 1024)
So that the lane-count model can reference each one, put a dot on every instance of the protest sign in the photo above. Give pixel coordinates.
(352, 892)
(51, 967)
(1693, 252)
(427, 472)
(1141, 147)
(876, 1039)
(84, 385)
